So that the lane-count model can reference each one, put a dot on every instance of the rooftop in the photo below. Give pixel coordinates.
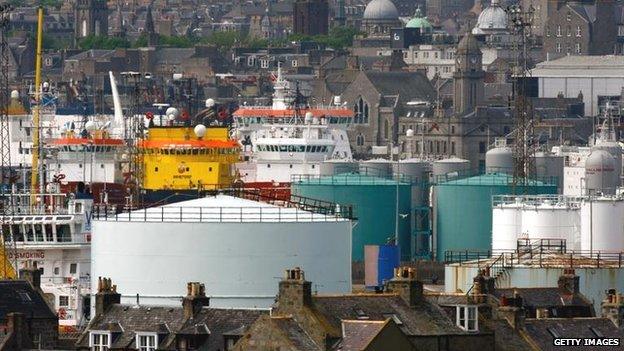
(543, 331)
(581, 66)
(19, 296)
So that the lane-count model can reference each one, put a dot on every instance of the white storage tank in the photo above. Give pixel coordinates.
(615, 150)
(378, 167)
(553, 220)
(506, 226)
(601, 176)
(602, 224)
(449, 165)
(499, 160)
(414, 168)
(548, 165)
(235, 246)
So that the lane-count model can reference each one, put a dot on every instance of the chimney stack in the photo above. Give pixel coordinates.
(106, 295)
(568, 281)
(31, 274)
(195, 299)
(294, 290)
(406, 285)
(612, 307)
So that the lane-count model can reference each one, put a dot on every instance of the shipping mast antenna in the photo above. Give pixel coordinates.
(7, 269)
(520, 22)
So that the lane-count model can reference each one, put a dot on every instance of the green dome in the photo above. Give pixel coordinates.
(418, 21)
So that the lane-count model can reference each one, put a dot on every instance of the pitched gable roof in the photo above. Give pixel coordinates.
(19, 296)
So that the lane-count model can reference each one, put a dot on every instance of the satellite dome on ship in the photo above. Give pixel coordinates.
(381, 10)
(492, 19)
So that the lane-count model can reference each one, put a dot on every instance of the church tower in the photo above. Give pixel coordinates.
(469, 75)
(90, 18)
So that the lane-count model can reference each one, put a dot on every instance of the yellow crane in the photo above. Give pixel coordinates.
(34, 175)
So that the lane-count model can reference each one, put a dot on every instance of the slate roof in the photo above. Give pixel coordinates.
(221, 322)
(544, 297)
(541, 331)
(174, 55)
(124, 321)
(93, 53)
(358, 334)
(423, 319)
(297, 336)
(19, 296)
(407, 85)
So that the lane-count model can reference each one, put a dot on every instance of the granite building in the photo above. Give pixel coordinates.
(310, 17)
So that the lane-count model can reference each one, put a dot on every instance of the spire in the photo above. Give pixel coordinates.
(119, 29)
(152, 36)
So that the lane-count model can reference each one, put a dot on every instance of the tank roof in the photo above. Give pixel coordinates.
(492, 179)
(349, 179)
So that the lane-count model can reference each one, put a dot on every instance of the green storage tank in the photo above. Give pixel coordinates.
(463, 209)
(374, 205)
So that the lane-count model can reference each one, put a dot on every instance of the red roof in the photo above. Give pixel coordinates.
(271, 113)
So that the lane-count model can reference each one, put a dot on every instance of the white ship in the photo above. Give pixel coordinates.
(290, 137)
(53, 232)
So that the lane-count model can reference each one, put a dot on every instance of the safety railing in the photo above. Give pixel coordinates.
(536, 257)
(218, 215)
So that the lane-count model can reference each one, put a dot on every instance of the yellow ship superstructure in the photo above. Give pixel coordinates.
(183, 158)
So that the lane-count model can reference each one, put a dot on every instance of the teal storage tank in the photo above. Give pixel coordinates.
(374, 205)
(463, 209)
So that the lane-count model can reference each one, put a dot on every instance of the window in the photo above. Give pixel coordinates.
(294, 63)
(578, 48)
(467, 318)
(57, 271)
(481, 147)
(99, 341)
(359, 140)
(264, 63)
(569, 16)
(146, 341)
(73, 267)
(547, 31)
(63, 301)
(559, 47)
(569, 31)
(558, 31)
(361, 112)
(578, 31)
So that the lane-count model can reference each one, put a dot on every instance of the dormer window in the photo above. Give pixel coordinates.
(467, 318)
(99, 340)
(146, 341)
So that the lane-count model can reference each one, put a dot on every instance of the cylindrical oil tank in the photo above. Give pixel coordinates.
(450, 165)
(412, 168)
(602, 224)
(499, 160)
(615, 150)
(506, 226)
(235, 246)
(463, 210)
(378, 167)
(552, 220)
(337, 166)
(600, 173)
(548, 165)
(374, 202)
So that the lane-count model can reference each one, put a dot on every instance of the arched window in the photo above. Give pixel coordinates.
(361, 112)
(359, 140)
(386, 129)
(84, 27)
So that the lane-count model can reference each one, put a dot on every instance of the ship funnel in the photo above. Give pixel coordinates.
(118, 113)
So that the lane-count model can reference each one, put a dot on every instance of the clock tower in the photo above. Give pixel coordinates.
(469, 74)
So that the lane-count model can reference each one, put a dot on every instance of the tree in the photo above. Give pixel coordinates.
(102, 42)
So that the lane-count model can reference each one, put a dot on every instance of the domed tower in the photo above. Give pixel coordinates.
(420, 22)
(492, 20)
(469, 75)
(380, 16)
(90, 18)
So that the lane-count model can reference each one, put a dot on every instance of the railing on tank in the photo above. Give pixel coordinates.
(541, 258)
(537, 200)
(218, 215)
(355, 178)
(471, 177)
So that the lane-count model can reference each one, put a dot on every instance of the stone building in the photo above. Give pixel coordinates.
(310, 17)
(444, 9)
(379, 100)
(580, 28)
(90, 18)
(194, 325)
(380, 16)
(468, 75)
(26, 319)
